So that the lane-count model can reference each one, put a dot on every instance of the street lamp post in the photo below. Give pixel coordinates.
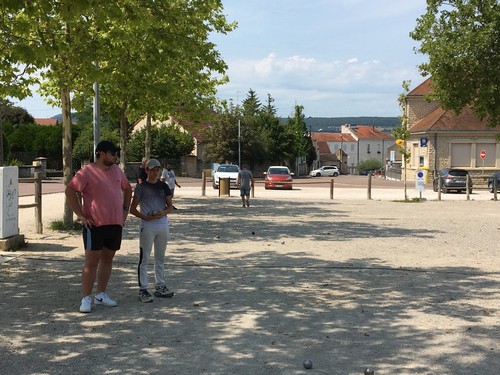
(239, 143)
(239, 129)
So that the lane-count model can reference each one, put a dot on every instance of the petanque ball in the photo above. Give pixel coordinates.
(253, 232)
(308, 364)
(369, 371)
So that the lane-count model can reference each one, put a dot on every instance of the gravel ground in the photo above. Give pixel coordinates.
(350, 283)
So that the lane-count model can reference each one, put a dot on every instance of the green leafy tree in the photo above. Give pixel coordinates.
(221, 139)
(45, 140)
(154, 56)
(167, 143)
(51, 43)
(160, 60)
(462, 40)
(14, 115)
(83, 147)
(402, 132)
(297, 128)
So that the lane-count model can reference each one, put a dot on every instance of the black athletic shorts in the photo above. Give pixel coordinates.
(105, 236)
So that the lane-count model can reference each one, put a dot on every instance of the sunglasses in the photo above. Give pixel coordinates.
(112, 153)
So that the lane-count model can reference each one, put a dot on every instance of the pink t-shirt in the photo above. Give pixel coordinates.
(102, 193)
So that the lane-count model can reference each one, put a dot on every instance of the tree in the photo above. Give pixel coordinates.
(167, 143)
(303, 146)
(51, 43)
(160, 61)
(462, 40)
(14, 115)
(402, 132)
(83, 146)
(154, 56)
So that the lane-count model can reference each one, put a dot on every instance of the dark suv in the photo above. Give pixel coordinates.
(453, 179)
(495, 176)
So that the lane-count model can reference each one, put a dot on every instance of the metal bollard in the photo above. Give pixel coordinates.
(331, 188)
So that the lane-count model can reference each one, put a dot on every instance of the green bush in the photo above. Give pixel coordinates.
(14, 163)
(369, 165)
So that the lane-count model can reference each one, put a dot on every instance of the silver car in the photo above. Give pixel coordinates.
(326, 170)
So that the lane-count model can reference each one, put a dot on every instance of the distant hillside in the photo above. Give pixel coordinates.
(59, 117)
(329, 124)
(333, 124)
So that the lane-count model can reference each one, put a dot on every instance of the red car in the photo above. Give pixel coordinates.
(278, 177)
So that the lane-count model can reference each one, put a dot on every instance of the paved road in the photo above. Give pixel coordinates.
(55, 185)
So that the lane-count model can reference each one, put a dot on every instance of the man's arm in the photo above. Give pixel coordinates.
(73, 200)
(127, 196)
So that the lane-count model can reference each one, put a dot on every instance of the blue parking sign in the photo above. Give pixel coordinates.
(423, 141)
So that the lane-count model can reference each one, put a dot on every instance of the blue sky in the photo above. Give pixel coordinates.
(334, 57)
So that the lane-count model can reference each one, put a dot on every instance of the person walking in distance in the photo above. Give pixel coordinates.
(155, 200)
(106, 194)
(141, 171)
(246, 182)
(168, 176)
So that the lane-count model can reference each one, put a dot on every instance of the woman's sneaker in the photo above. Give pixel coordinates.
(86, 305)
(103, 299)
(163, 292)
(145, 296)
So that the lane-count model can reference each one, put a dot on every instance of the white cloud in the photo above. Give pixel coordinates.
(352, 87)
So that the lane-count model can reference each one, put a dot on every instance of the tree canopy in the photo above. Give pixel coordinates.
(264, 139)
(462, 41)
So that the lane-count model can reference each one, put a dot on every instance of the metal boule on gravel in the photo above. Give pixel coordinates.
(308, 364)
(369, 371)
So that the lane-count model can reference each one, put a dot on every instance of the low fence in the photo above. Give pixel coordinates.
(224, 186)
(37, 180)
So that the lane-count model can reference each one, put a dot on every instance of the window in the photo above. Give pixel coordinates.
(460, 155)
(489, 159)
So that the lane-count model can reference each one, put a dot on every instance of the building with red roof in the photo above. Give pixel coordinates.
(353, 144)
(441, 138)
(46, 121)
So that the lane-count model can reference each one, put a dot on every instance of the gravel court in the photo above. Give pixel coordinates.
(349, 283)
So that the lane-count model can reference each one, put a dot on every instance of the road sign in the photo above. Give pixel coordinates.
(420, 180)
(482, 154)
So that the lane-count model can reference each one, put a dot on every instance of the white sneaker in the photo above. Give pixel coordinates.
(86, 305)
(103, 299)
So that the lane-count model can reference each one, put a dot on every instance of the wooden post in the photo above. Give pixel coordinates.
(494, 187)
(467, 187)
(203, 184)
(331, 188)
(38, 201)
(439, 187)
(369, 193)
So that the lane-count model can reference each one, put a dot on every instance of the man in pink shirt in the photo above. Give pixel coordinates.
(106, 194)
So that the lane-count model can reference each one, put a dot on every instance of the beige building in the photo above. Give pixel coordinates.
(441, 139)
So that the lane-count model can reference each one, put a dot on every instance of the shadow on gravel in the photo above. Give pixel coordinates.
(225, 220)
(262, 313)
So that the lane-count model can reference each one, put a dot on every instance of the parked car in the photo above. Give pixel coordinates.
(453, 179)
(226, 171)
(366, 173)
(278, 177)
(326, 170)
(495, 176)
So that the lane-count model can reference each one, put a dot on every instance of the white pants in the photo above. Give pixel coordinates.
(149, 237)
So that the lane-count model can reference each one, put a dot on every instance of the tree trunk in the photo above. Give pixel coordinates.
(66, 150)
(147, 143)
(123, 135)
